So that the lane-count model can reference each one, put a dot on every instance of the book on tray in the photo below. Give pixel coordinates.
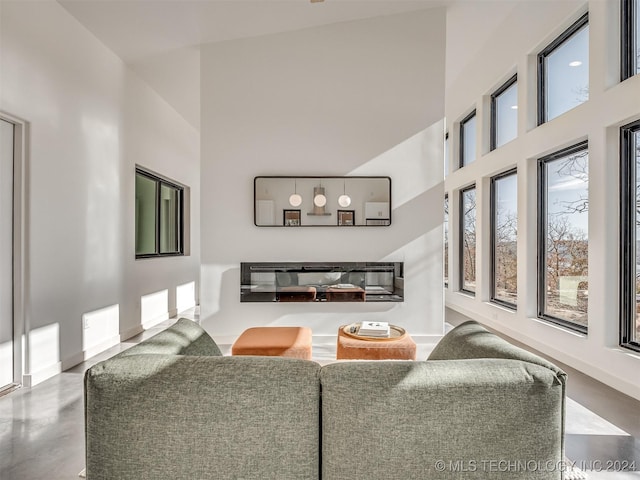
(374, 329)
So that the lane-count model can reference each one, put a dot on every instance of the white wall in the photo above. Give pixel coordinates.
(91, 120)
(509, 43)
(355, 98)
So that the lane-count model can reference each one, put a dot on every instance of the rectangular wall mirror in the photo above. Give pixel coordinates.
(322, 201)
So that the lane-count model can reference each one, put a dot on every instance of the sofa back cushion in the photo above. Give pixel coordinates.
(185, 337)
(471, 340)
(441, 420)
(168, 417)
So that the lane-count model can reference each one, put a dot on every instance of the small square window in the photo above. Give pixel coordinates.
(504, 114)
(563, 72)
(468, 140)
(159, 216)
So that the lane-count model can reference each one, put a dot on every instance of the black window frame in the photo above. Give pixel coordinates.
(160, 181)
(557, 43)
(463, 122)
(628, 31)
(628, 238)
(494, 114)
(445, 249)
(461, 239)
(542, 236)
(492, 296)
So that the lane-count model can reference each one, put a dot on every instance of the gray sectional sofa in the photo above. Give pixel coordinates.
(172, 407)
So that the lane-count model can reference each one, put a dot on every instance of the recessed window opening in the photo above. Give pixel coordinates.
(630, 61)
(563, 238)
(504, 113)
(468, 140)
(504, 245)
(468, 240)
(630, 235)
(159, 216)
(563, 72)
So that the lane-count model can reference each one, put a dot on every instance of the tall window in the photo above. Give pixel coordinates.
(630, 235)
(504, 229)
(468, 139)
(504, 113)
(563, 237)
(446, 241)
(630, 38)
(563, 72)
(468, 239)
(159, 216)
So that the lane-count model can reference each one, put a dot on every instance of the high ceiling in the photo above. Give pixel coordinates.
(160, 39)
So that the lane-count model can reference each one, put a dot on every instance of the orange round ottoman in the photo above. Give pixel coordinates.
(350, 348)
(294, 342)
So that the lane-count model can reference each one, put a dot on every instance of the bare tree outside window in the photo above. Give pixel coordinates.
(468, 240)
(565, 210)
(504, 200)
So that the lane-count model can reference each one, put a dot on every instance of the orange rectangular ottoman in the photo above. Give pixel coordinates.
(294, 342)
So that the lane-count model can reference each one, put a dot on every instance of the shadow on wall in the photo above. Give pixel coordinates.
(101, 327)
(414, 237)
(154, 307)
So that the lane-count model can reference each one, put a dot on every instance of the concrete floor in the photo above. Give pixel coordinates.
(42, 430)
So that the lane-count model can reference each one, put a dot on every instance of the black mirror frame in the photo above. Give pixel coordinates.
(385, 223)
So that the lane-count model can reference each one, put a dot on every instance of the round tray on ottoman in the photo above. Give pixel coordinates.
(351, 346)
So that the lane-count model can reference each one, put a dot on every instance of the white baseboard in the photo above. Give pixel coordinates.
(32, 379)
(74, 360)
(101, 347)
(159, 319)
(132, 332)
(80, 357)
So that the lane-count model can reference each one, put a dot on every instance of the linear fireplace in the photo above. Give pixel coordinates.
(322, 282)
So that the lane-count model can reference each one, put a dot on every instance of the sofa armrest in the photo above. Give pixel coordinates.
(185, 337)
(409, 416)
(471, 340)
(178, 417)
